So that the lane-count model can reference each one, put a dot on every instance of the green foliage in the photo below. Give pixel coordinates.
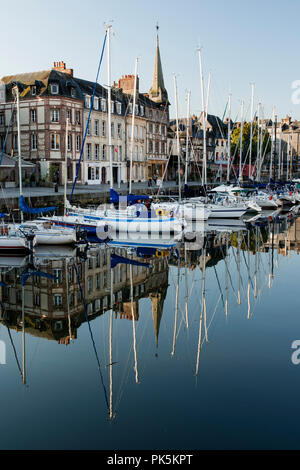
(235, 143)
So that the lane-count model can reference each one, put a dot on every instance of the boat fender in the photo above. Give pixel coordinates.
(270, 198)
(159, 212)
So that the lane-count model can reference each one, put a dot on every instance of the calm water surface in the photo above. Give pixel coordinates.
(195, 354)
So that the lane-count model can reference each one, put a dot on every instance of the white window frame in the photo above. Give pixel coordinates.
(54, 88)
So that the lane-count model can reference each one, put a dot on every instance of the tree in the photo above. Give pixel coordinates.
(235, 143)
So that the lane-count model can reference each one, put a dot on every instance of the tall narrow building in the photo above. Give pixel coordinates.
(157, 92)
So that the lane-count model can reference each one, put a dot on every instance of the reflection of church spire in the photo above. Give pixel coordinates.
(157, 92)
(157, 300)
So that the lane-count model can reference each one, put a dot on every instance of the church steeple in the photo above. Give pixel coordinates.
(157, 92)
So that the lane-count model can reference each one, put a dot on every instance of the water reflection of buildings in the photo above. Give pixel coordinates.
(54, 309)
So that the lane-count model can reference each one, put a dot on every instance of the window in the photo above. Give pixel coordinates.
(15, 142)
(97, 177)
(135, 152)
(97, 152)
(33, 115)
(104, 152)
(87, 101)
(98, 281)
(78, 143)
(55, 141)
(69, 147)
(90, 284)
(150, 113)
(135, 132)
(77, 117)
(69, 115)
(120, 152)
(112, 107)
(119, 130)
(54, 89)
(103, 128)
(119, 108)
(88, 151)
(130, 108)
(33, 90)
(141, 133)
(103, 105)
(2, 119)
(141, 153)
(136, 109)
(57, 300)
(90, 263)
(58, 276)
(97, 127)
(163, 130)
(73, 92)
(150, 146)
(163, 147)
(36, 300)
(156, 129)
(142, 110)
(112, 129)
(150, 128)
(88, 132)
(156, 147)
(96, 103)
(54, 115)
(33, 142)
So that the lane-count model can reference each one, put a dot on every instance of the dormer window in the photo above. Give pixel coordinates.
(87, 101)
(103, 105)
(136, 109)
(112, 104)
(33, 90)
(96, 103)
(73, 92)
(119, 108)
(130, 108)
(142, 111)
(54, 89)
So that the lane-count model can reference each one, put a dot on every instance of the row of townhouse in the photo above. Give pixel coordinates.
(54, 308)
(54, 110)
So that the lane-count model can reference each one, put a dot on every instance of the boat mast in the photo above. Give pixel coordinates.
(16, 90)
(257, 149)
(109, 105)
(177, 138)
(251, 129)
(132, 125)
(187, 137)
(287, 158)
(272, 143)
(204, 120)
(279, 157)
(176, 307)
(229, 137)
(110, 341)
(241, 141)
(66, 169)
(23, 336)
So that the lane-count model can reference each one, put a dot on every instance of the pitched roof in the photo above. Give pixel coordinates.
(157, 91)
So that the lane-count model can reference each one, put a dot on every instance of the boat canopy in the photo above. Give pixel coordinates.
(25, 208)
(131, 198)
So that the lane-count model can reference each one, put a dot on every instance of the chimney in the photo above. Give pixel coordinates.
(61, 67)
(127, 84)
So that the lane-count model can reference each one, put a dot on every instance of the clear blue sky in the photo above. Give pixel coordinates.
(242, 42)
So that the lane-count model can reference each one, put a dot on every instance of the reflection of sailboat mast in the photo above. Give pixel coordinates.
(176, 306)
(239, 267)
(110, 343)
(23, 336)
(68, 299)
(249, 278)
(226, 278)
(133, 327)
(203, 309)
(255, 272)
(186, 289)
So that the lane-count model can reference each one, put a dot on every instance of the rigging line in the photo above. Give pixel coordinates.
(219, 285)
(91, 333)
(88, 119)
(3, 313)
(241, 279)
(212, 317)
(228, 272)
